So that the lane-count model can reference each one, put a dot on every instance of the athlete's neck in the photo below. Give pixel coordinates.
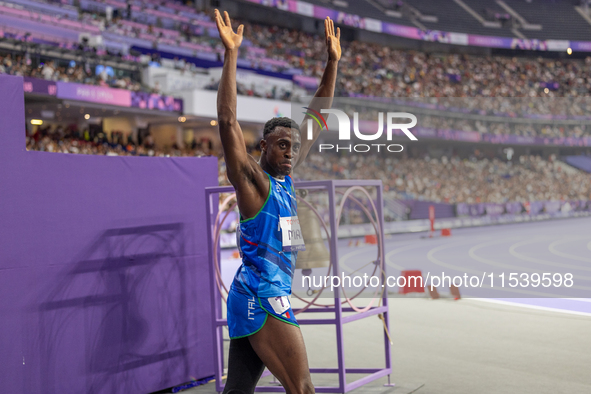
(268, 169)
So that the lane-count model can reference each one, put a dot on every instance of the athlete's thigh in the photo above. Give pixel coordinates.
(281, 347)
(244, 368)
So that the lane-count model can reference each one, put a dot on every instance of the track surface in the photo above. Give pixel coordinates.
(557, 246)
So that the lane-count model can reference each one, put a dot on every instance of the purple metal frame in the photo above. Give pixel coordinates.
(218, 322)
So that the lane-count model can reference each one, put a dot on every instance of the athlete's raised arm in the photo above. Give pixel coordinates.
(243, 172)
(325, 92)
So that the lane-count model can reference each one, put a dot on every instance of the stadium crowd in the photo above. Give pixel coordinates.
(374, 70)
(65, 71)
(455, 179)
(72, 140)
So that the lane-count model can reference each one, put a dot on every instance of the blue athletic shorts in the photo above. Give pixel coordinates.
(247, 314)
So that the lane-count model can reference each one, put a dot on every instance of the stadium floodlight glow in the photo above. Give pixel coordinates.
(182, 119)
(569, 51)
(213, 123)
(36, 122)
(87, 116)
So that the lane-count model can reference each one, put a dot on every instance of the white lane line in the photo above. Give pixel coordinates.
(553, 250)
(589, 245)
(521, 256)
(473, 255)
(342, 261)
(436, 261)
(545, 262)
(398, 250)
(520, 305)
(579, 299)
(433, 259)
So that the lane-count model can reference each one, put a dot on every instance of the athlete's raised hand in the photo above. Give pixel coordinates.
(230, 39)
(333, 41)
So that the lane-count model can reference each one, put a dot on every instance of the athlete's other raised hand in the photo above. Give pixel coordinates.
(333, 41)
(230, 39)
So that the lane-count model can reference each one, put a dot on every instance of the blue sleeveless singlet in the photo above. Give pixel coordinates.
(269, 243)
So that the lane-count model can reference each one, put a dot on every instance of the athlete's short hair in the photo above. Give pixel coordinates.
(279, 122)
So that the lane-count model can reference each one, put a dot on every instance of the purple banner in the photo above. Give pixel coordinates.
(401, 31)
(534, 207)
(156, 101)
(488, 41)
(457, 135)
(104, 95)
(95, 94)
(304, 8)
(41, 86)
(463, 209)
(581, 46)
(420, 209)
(494, 209)
(307, 82)
(513, 207)
(322, 12)
(552, 206)
(516, 139)
(516, 208)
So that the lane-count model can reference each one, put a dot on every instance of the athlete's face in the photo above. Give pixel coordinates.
(281, 148)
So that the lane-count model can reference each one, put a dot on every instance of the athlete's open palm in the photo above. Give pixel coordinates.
(333, 40)
(230, 39)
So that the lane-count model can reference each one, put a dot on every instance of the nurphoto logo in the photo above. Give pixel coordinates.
(345, 130)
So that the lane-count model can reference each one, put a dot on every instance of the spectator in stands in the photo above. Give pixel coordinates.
(156, 88)
(149, 142)
(7, 62)
(179, 64)
(48, 70)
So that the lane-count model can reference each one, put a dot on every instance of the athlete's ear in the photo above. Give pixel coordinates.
(263, 145)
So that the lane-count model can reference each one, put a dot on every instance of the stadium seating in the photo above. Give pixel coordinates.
(452, 17)
(558, 19)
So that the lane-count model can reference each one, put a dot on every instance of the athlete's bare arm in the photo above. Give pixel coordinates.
(244, 173)
(325, 91)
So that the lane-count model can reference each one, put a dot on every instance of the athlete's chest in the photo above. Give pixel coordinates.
(284, 194)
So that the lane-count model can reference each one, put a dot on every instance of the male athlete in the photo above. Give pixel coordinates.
(263, 329)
